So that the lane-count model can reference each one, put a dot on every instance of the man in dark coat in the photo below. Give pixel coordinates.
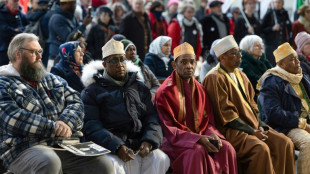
(214, 26)
(276, 29)
(61, 24)
(284, 99)
(12, 22)
(120, 115)
(136, 27)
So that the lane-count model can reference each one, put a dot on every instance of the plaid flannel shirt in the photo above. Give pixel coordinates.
(28, 115)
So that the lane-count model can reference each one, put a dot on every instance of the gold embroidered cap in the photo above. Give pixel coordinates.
(112, 47)
(283, 51)
(224, 44)
(184, 48)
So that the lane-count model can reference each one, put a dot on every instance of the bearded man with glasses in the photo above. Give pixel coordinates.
(37, 111)
(119, 113)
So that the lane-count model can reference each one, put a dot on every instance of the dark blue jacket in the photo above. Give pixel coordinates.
(157, 65)
(8, 24)
(63, 70)
(280, 105)
(116, 115)
(61, 24)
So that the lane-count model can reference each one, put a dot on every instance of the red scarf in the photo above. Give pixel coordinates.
(12, 12)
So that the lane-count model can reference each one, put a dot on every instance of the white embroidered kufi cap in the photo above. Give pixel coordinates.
(112, 47)
(224, 44)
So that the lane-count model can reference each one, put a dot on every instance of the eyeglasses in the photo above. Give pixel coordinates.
(33, 52)
(115, 62)
(235, 53)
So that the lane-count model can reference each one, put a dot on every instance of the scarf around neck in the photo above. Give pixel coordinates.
(278, 71)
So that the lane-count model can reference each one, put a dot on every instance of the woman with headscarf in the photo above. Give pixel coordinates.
(159, 59)
(148, 77)
(102, 32)
(70, 65)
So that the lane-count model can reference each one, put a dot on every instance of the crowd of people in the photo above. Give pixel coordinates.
(123, 74)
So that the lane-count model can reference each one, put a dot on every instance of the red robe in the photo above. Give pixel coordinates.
(183, 126)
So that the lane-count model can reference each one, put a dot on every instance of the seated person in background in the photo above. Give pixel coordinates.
(37, 110)
(70, 65)
(159, 57)
(284, 99)
(119, 113)
(259, 150)
(209, 62)
(254, 62)
(78, 36)
(187, 121)
(302, 41)
(148, 77)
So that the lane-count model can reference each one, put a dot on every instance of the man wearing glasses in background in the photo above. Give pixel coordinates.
(119, 113)
(37, 110)
(260, 149)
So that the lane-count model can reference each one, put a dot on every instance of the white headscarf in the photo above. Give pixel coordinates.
(155, 48)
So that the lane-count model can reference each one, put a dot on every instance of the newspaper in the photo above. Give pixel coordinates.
(85, 149)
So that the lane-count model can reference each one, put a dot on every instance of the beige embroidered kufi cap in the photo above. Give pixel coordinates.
(224, 44)
(283, 51)
(112, 47)
(184, 48)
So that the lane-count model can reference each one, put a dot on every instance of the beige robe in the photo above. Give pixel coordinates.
(276, 154)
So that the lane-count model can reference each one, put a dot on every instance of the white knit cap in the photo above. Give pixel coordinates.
(224, 44)
(112, 47)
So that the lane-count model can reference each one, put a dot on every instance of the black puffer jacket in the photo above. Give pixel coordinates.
(116, 115)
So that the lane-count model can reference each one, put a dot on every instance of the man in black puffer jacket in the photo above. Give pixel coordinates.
(119, 114)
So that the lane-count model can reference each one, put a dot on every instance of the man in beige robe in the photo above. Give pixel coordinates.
(260, 149)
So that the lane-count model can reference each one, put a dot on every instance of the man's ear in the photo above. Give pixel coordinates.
(104, 64)
(173, 64)
(17, 54)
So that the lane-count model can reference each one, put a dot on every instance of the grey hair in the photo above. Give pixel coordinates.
(186, 6)
(247, 43)
(18, 42)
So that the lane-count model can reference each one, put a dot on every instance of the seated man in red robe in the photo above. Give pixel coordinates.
(190, 138)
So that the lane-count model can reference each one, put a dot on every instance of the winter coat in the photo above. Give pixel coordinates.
(162, 22)
(241, 28)
(176, 32)
(28, 114)
(210, 30)
(281, 107)
(8, 24)
(97, 38)
(133, 30)
(276, 37)
(63, 70)
(157, 65)
(116, 115)
(254, 68)
(61, 24)
(150, 79)
(304, 64)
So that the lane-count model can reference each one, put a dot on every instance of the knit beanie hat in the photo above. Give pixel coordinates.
(302, 39)
(127, 43)
(171, 2)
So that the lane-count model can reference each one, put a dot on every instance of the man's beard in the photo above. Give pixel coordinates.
(29, 71)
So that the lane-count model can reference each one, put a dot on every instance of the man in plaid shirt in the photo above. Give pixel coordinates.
(37, 110)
